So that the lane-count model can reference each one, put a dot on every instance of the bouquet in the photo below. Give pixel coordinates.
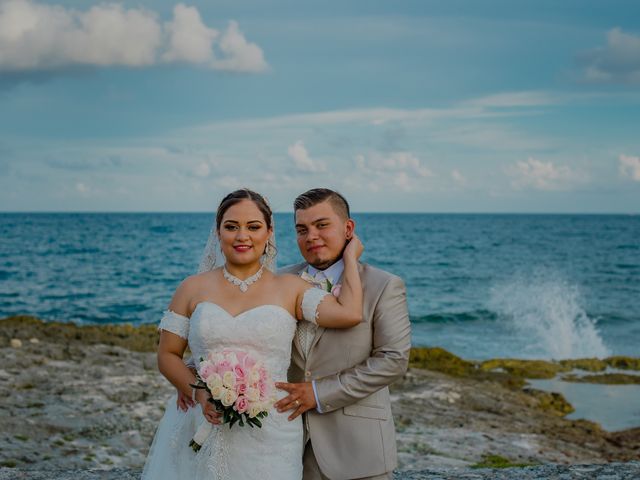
(240, 387)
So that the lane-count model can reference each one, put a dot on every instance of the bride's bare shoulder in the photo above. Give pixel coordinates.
(197, 280)
(191, 286)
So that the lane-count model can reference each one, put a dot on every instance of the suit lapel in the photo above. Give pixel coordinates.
(296, 340)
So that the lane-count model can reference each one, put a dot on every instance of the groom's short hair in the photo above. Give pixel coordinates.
(318, 195)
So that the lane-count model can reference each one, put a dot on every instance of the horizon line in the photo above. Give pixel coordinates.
(291, 211)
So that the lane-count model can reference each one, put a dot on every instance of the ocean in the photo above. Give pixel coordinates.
(479, 285)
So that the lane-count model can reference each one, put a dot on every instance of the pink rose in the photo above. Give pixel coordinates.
(263, 387)
(241, 388)
(240, 372)
(242, 404)
(248, 362)
(224, 366)
(335, 290)
(206, 369)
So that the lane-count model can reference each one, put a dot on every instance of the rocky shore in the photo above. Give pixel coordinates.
(82, 400)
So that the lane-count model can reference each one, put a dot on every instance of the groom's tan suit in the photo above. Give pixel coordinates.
(354, 436)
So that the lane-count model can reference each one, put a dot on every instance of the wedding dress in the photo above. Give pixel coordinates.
(271, 452)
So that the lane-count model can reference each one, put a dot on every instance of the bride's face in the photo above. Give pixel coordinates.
(243, 233)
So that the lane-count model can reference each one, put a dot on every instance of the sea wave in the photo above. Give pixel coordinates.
(457, 317)
(547, 310)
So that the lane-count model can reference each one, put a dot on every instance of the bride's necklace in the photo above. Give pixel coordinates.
(243, 284)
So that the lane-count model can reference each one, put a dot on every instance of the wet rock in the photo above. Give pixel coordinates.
(588, 364)
(623, 363)
(91, 397)
(524, 368)
(439, 360)
(605, 379)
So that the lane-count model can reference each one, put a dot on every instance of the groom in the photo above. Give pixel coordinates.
(342, 376)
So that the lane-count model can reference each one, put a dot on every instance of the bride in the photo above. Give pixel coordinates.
(237, 301)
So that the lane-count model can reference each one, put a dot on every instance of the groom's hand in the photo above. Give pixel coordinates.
(184, 402)
(300, 398)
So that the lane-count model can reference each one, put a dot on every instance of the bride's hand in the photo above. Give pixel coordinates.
(208, 409)
(354, 248)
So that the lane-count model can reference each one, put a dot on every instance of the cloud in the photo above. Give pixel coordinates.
(514, 99)
(402, 169)
(82, 188)
(190, 40)
(239, 55)
(303, 162)
(616, 62)
(629, 167)
(541, 175)
(36, 37)
(394, 162)
(105, 162)
(205, 167)
(458, 178)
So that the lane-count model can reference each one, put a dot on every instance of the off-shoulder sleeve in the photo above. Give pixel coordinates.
(310, 301)
(175, 323)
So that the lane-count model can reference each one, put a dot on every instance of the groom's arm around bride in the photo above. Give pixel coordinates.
(350, 430)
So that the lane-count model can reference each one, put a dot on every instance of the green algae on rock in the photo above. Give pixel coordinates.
(552, 402)
(497, 461)
(440, 360)
(604, 379)
(143, 338)
(623, 363)
(588, 364)
(539, 369)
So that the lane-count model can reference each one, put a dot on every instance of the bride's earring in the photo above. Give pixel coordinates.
(270, 251)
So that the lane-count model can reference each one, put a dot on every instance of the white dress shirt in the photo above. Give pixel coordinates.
(333, 274)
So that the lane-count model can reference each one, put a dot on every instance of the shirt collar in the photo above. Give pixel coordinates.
(333, 273)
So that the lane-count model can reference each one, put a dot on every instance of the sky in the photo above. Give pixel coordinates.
(406, 106)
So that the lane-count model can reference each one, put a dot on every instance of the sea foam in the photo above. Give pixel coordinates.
(544, 311)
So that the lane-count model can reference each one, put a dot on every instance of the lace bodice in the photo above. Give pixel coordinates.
(265, 331)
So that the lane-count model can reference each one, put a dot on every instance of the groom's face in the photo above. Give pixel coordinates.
(322, 234)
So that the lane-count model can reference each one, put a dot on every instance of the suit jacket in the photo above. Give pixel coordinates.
(354, 436)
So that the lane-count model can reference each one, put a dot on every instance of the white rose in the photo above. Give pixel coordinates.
(217, 391)
(254, 375)
(253, 394)
(213, 381)
(228, 397)
(229, 380)
(254, 410)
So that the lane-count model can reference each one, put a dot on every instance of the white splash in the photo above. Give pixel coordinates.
(544, 312)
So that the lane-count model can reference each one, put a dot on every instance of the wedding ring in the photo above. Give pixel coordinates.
(297, 402)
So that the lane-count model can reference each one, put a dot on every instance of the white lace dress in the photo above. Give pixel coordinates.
(271, 452)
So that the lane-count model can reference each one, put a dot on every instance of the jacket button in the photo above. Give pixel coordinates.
(307, 373)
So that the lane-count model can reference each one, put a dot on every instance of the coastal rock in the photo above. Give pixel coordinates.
(88, 398)
(524, 368)
(604, 379)
(611, 471)
(623, 363)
